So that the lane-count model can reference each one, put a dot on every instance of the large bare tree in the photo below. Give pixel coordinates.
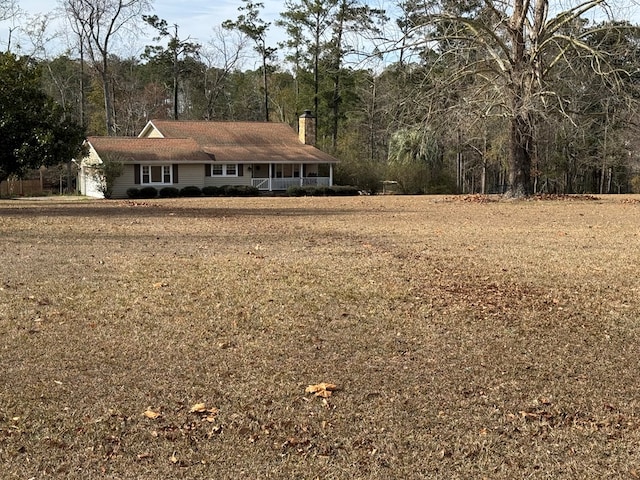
(511, 48)
(222, 55)
(98, 23)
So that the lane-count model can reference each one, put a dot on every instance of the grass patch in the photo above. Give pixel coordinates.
(467, 339)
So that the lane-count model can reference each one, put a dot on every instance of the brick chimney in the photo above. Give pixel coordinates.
(307, 128)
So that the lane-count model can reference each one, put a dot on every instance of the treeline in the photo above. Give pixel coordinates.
(429, 114)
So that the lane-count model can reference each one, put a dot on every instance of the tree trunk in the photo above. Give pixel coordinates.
(83, 103)
(316, 74)
(483, 175)
(175, 97)
(520, 157)
(108, 104)
(176, 74)
(521, 134)
(336, 77)
(265, 85)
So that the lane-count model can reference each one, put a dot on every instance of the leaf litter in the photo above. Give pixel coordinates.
(478, 341)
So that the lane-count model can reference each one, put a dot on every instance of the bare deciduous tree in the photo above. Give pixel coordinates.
(222, 55)
(100, 22)
(8, 9)
(512, 48)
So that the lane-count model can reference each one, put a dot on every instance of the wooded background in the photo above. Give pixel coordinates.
(438, 95)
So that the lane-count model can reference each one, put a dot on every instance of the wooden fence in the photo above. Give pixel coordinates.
(21, 188)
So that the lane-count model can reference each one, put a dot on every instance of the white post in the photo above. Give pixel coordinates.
(301, 174)
(270, 173)
(331, 174)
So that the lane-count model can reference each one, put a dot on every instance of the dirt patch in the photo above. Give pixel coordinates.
(465, 339)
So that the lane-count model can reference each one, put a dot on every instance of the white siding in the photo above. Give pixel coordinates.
(88, 182)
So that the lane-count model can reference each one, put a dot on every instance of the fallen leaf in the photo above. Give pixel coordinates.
(198, 408)
(151, 414)
(173, 458)
(323, 389)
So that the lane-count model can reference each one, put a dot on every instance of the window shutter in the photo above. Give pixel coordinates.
(175, 173)
(240, 170)
(136, 173)
(207, 169)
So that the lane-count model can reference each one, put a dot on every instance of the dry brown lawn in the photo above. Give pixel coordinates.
(468, 339)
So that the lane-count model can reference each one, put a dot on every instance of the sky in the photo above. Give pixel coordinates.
(198, 18)
(195, 19)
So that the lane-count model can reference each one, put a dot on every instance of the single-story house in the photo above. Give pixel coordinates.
(266, 155)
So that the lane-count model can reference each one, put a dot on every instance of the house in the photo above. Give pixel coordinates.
(269, 156)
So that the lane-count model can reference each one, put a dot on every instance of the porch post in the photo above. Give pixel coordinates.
(331, 174)
(301, 174)
(270, 172)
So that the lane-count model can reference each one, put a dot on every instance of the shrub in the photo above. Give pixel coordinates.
(345, 190)
(133, 193)
(246, 191)
(148, 192)
(212, 191)
(317, 190)
(322, 190)
(107, 172)
(169, 192)
(229, 190)
(296, 191)
(190, 191)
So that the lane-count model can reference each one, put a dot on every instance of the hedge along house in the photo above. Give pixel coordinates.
(269, 156)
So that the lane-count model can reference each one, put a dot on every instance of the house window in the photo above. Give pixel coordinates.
(156, 174)
(224, 170)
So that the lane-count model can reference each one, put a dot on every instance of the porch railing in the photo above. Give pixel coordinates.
(285, 183)
(260, 183)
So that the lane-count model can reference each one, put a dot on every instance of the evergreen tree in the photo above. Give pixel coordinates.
(254, 27)
(34, 130)
(175, 58)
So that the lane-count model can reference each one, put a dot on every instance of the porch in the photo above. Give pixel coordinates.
(282, 176)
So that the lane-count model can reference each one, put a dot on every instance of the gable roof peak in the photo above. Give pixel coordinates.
(148, 129)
